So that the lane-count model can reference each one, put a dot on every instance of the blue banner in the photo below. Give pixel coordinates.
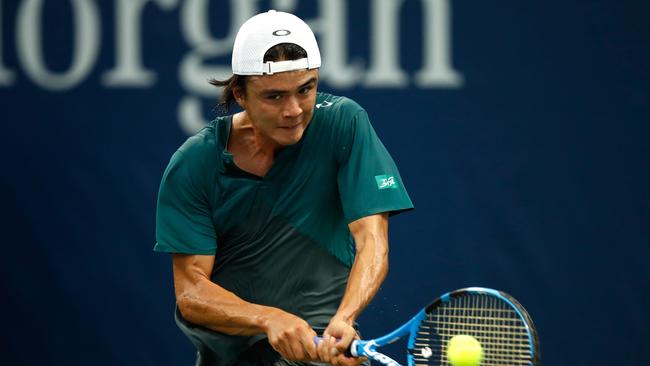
(521, 130)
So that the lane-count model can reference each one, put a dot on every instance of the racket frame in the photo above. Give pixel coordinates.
(367, 348)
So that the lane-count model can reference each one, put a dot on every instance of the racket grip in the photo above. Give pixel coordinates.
(348, 353)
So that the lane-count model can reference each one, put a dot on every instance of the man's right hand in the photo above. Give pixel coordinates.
(291, 336)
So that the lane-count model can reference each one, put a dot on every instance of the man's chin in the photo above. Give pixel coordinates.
(289, 141)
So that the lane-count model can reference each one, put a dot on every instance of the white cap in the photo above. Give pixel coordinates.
(263, 31)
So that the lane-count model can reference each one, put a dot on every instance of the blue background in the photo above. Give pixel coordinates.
(533, 177)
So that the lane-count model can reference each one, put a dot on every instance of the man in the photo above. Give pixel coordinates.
(277, 216)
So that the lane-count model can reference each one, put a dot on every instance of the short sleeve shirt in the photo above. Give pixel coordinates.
(281, 240)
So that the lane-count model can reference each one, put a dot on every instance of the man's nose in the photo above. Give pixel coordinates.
(292, 107)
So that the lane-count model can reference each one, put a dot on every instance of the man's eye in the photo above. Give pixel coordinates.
(305, 90)
(274, 97)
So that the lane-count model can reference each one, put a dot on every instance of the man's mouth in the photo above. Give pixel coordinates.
(291, 127)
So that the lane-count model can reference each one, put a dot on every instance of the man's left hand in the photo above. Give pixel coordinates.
(336, 340)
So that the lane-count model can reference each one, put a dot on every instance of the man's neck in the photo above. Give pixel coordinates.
(250, 138)
(252, 151)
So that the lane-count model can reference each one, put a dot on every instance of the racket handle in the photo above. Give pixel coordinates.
(350, 352)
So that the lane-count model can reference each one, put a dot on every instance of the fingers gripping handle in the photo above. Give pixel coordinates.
(360, 348)
(350, 352)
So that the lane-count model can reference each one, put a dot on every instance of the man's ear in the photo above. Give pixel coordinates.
(240, 96)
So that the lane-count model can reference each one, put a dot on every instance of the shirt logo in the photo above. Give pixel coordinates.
(324, 104)
(386, 182)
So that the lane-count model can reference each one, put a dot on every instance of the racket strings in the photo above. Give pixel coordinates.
(503, 335)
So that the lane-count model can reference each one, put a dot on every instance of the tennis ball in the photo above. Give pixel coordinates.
(464, 350)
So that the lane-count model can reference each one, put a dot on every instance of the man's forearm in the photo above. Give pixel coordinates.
(209, 305)
(369, 269)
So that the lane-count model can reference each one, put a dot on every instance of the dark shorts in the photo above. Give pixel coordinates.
(262, 354)
(233, 351)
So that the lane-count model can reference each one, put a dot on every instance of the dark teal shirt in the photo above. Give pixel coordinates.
(282, 239)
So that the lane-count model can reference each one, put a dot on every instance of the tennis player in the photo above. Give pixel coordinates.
(277, 216)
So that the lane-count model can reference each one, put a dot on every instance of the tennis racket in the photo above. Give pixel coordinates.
(501, 325)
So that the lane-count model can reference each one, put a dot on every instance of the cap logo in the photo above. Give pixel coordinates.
(282, 32)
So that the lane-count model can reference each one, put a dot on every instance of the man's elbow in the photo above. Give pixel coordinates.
(380, 249)
(188, 306)
(377, 253)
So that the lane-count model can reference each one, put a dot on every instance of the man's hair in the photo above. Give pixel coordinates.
(279, 52)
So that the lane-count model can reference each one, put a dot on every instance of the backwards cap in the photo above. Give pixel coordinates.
(263, 31)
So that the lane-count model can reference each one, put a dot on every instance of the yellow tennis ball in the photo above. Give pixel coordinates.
(464, 350)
